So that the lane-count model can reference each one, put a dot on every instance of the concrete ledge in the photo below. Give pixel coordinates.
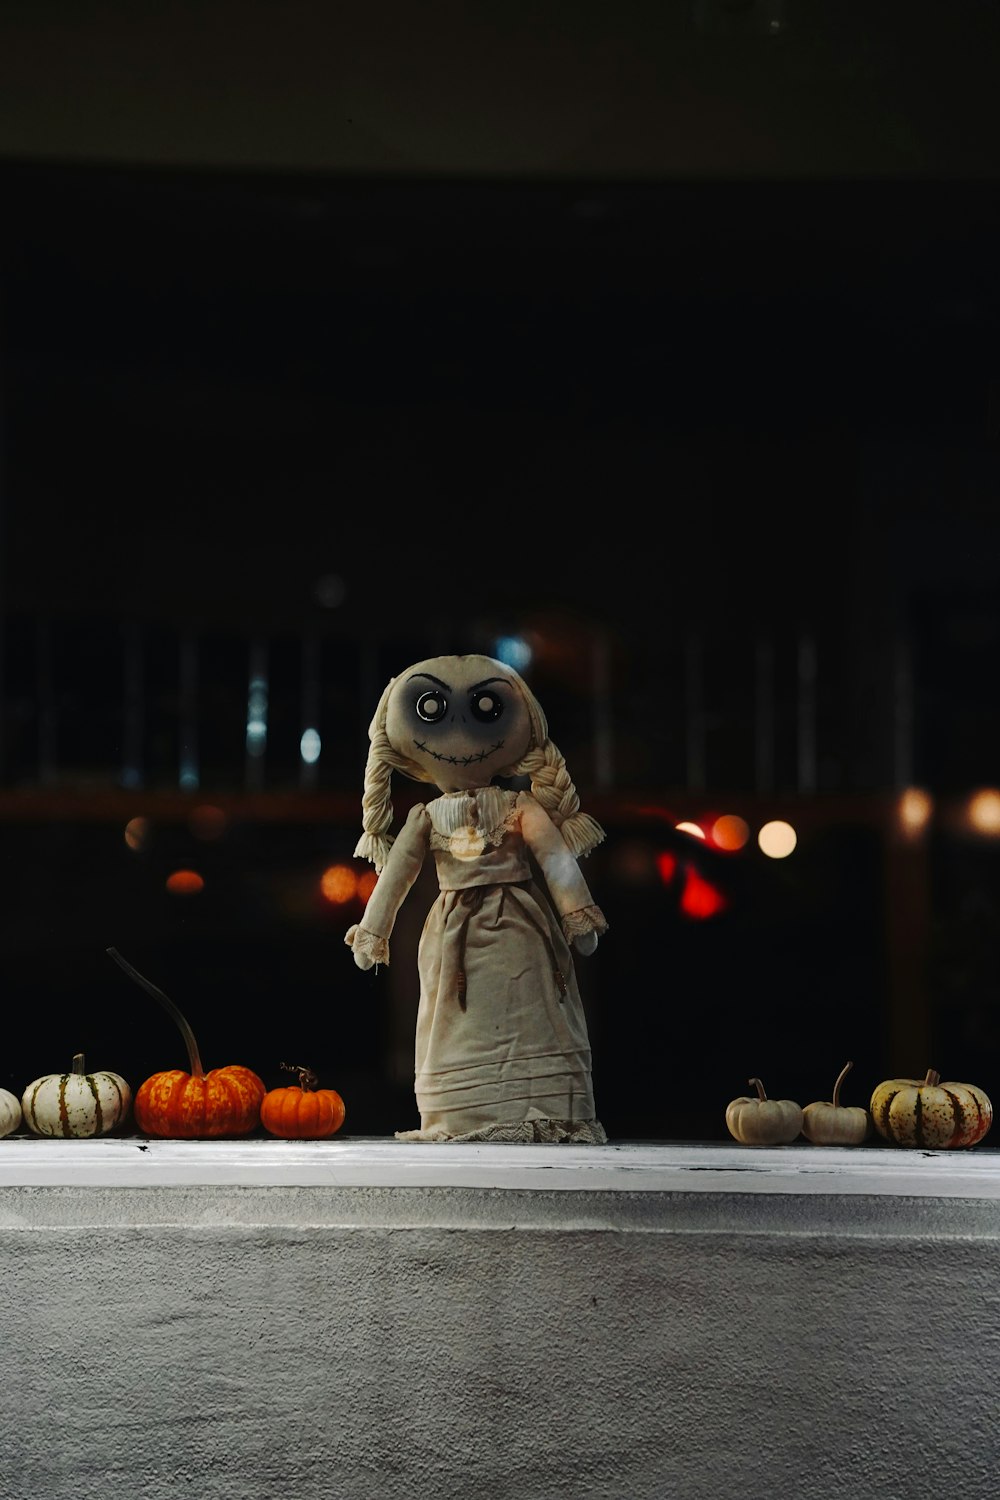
(642, 1167)
(387, 1321)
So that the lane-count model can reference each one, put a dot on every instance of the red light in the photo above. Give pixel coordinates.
(700, 898)
(666, 863)
(184, 883)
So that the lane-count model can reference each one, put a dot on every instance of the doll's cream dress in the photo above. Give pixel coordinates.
(502, 1048)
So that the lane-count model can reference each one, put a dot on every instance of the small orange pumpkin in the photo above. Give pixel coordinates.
(178, 1105)
(302, 1111)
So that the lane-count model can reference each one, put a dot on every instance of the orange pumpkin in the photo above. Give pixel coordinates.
(177, 1105)
(174, 1104)
(301, 1111)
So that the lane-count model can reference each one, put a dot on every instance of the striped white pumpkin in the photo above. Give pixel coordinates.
(10, 1112)
(926, 1112)
(76, 1103)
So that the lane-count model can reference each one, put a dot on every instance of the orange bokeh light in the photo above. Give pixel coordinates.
(366, 884)
(339, 884)
(136, 832)
(185, 883)
(730, 832)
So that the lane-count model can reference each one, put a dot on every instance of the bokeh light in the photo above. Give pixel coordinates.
(915, 808)
(184, 883)
(257, 716)
(730, 832)
(339, 884)
(136, 833)
(692, 828)
(309, 746)
(514, 651)
(700, 898)
(984, 811)
(366, 884)
(777, 839)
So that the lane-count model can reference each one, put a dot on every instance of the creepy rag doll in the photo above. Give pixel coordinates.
(502, 1047)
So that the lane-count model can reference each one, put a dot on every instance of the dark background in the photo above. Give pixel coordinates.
(663, 339)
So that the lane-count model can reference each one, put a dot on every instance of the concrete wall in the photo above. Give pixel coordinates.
(369, 1320)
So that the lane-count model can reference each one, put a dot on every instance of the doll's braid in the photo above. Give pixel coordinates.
(553, 787)
(376, 819)
(376, 801)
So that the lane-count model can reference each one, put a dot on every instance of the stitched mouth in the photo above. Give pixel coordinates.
(460, 760)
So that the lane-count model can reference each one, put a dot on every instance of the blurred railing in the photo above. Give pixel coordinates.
(99, 704)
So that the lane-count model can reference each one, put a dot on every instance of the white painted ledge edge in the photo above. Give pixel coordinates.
(373, 1162)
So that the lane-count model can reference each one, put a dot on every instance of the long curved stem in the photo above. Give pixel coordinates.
(194, 1057)
(840, 1078)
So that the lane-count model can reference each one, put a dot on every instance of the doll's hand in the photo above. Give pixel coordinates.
(361, 958)
(369, 949)
(582, 928)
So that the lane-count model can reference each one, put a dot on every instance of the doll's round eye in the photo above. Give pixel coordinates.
(432, 707)
(486, 707)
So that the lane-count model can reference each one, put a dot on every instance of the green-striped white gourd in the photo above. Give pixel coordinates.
(10, 1112)
(76, 1104)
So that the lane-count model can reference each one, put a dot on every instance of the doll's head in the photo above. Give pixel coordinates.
(460, 722)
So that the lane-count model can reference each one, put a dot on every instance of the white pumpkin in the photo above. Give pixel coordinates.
(763, 1121)
(77, 1103)
(833, 1123)
(10, 1112)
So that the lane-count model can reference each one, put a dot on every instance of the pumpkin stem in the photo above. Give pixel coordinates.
(932, 1078)
(194, 1057)
(840, 1078)
(760, 1087)
(78, 1064)
(307, 1078)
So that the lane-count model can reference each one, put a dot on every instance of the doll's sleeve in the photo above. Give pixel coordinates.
(370, 938)
(581, 918)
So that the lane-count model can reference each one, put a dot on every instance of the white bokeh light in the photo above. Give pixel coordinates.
(777, 839)
(310, 746)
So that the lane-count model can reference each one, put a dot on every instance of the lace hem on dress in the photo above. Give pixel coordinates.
(575, 1132)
